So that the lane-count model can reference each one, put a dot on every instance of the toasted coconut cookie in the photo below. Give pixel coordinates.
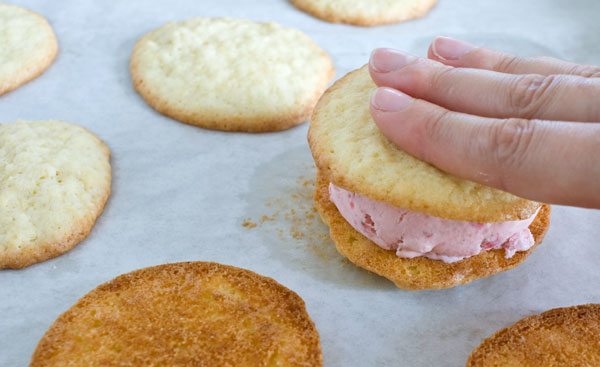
(419, 272)
(54, 181)
(352, 152)
(231, 74)
(27, 46)
(365, 12)
(557, 338)
(185, 314)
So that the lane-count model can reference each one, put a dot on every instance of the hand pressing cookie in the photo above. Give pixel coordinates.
(54, 181)
(365, 12)
(562, 337)
(231, 74)
(185, 314)
(529, 126)
(402, 218)
(27, 46)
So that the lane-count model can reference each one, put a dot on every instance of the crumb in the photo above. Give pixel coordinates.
(268, 218)
(293, 219)
(248, 224)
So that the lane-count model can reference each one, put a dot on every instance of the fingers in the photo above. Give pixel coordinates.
(458, 53)
(528, 158)
(488, 93)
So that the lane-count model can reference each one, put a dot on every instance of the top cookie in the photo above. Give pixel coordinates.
(231, 74)
(185, 314)
(351, 152)
(54, 181)
(27, 46)
(365, 12)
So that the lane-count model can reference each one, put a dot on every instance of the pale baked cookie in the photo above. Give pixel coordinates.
(230, 74)
(351, 152)
(365, 12)
(419, 272)
(27, 46)
(185, 314)
(54, 181)
(557, 338)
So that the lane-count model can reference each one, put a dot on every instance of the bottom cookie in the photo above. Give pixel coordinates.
(419, 272)
(184, 314)
(560, 337)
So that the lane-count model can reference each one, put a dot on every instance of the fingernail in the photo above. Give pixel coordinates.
(389, 100)
(447, 48)
(384, 60)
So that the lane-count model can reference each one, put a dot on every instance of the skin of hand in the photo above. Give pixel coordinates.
(529, 126)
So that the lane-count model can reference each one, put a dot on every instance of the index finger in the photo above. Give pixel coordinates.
(458, 53)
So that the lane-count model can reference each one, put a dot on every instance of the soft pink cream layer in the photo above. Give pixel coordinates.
(413, 234)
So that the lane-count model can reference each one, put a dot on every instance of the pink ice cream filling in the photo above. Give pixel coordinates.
(413, 234)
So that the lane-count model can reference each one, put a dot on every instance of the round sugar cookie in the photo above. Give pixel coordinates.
(184, 314)
(365, 12)
(27, 46)
(54, 181)
(419, 272)
(230, 74)
(562, 337)
(352, 152)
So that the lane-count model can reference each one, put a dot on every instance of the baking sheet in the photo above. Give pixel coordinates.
(182, 193)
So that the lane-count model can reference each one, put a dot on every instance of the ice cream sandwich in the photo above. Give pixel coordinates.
(403, 218)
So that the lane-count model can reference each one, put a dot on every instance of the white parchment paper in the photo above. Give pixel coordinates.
(182, 193)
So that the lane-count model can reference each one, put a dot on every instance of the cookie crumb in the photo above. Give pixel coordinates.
(292, 218)
(248, 224)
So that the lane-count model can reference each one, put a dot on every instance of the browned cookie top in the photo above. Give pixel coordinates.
(185, 314)
(562, 337)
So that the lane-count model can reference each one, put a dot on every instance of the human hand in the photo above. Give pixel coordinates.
(529, 126)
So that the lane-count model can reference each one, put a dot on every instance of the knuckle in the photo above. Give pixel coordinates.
(440, 77)
(507, 63)
(529, 93)
(511, 142)
(589, 88)
(433, 133)
(433, 128)
(586, 71)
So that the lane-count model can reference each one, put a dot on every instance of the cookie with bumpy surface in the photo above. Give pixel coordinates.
(417, 273)
(54, 181)
(365, 12)
(353, 153)
(27, 46)
(184, 314)
(230, 74)
(560, 337)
